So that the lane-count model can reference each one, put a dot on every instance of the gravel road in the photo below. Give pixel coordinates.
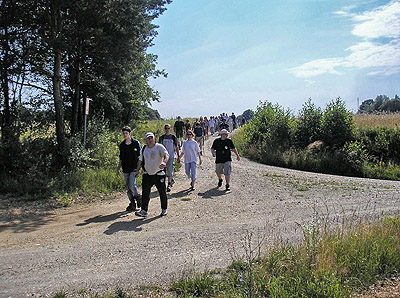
(99, 246)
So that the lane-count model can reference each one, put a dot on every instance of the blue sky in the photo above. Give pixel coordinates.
(227, 56)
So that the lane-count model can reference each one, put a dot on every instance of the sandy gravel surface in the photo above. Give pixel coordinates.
(98, 245)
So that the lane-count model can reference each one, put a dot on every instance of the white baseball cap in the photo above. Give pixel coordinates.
(223, 131)
(149, 134)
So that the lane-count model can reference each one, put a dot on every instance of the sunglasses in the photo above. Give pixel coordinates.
(167, 127)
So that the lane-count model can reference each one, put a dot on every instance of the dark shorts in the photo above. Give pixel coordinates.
(179, 134)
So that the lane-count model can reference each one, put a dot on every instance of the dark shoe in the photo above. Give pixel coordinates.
(169, 187)
(192, 186)
(163, 212)
(131, 208)
(219, 182)
(227, 187)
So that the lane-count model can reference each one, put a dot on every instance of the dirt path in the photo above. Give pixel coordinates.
(98, 246)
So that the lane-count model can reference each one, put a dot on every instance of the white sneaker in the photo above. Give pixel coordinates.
(163, 212)
(141, 213)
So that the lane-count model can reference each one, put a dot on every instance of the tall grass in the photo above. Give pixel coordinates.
(334, 262)
(377, 120)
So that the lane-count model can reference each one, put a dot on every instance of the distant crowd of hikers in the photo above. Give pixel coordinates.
(156, 159)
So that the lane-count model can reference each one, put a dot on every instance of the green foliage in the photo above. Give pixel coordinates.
(270, 130)
(248, 115)
(381, 143)
(382, 103)
(321, 141)
(196, 285)
(337, 124)
(329, 262)
(308, 125)
(91, 170)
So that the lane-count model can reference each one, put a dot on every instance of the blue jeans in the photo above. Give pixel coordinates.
(190, 169)
(130, 181)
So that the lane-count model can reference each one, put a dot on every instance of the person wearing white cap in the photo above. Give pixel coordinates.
(221, 149)
(153, 159)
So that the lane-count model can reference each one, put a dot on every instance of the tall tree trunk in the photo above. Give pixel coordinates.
(56, 28)
(76, 98)
(6, 123)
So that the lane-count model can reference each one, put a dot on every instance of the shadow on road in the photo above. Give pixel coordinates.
(213, 192)
(104, 218)
(180, 194)
(129, 226)
(24, 223)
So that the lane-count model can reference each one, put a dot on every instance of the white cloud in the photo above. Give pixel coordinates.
(317, 67)
(383, 21)
(369, 54)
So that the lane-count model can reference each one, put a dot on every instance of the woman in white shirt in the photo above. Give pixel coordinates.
(191, 150)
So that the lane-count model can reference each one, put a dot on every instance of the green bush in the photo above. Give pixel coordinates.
(337, 127)
(308, 125)
(381, 143)
(270, 130)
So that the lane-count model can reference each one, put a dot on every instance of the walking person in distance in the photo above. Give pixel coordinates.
(221, 149)
(178, 129)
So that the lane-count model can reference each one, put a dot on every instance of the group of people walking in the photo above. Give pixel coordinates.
(156, 159)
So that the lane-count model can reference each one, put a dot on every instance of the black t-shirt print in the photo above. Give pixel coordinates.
(223, 150)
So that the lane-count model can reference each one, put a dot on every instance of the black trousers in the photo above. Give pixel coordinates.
(147, 183)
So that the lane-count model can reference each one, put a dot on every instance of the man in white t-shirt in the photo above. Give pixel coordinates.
(153, 159)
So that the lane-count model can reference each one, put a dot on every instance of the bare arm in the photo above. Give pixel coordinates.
(119, 167)
(139, 165)
(237, 154)
(164, 161)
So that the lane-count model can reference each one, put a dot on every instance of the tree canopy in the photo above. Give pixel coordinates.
(56, 53)
(381, 103)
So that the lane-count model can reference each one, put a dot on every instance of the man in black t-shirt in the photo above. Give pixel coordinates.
(223, 125)
(178, 129)
(129, 151)
(221, 149)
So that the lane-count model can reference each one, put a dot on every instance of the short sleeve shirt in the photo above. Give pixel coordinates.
(223, 150)
(198, 131)
(179, 125)
(153, 158)
(170, 142)
(190, 150)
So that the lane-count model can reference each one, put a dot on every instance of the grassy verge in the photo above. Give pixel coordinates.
(328, 263)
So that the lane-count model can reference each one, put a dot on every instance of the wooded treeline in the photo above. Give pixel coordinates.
(56, 53)
(381, 103)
